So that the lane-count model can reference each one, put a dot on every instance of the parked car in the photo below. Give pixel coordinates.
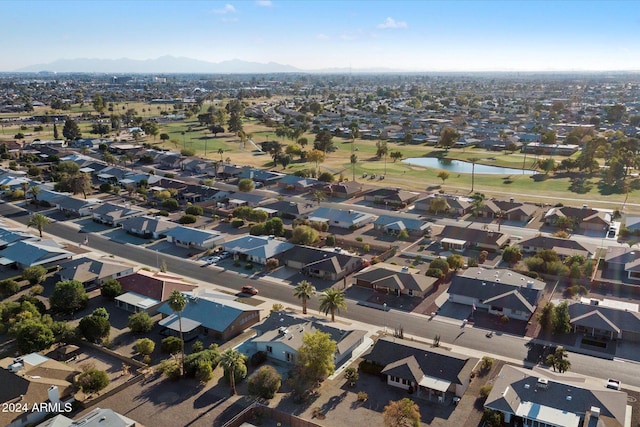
(249, 290)
(614, 384)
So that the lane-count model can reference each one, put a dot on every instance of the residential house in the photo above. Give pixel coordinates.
(74, 206)
(430, 372)
(623, 262)
(342, 190)
(551, 149)
(395, 279)
(394, 197)
(148, 227)
(263, 177)
(321, 263)
(584, 218)
(453, 205)
(280, 336)
(8, 237)
(348, 219)
(113, 215)
(28, 253)
(290, 210)
(256, 249)
(30, 380)
(563, 247)
(500, 292)
(453, 237)
(543, 398)
(210, 313)
(508, 210)
(188, 237)
(632, 223)
(98, 417)
(112, 174)
(394, 225)
(297, 183)
(146, 290)
(91, 272)
(605, 319)
(247, 199)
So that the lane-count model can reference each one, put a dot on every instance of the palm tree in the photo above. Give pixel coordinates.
(319, 196)
(354, 160)
(332, 300)
(304, 291)
(230, 360)
(38, 221)
(473, 161)
(34, 191)
(177, 303)
(221, 152)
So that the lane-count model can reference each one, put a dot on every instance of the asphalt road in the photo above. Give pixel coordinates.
(505, 346)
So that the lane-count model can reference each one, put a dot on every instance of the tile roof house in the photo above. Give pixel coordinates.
(395, 279)
(91, 272)
(431, 372)
(114, 215)
(543, 398)
(280, 336)
(608, 319)
(394, 197)
(461, 238)
(188, 237)
(256, 249)
(622, 261)
(324, 264)
(500, 292)
(27, 253)
(585, 218)
(148, 227)
(349, 219)
(210, 313)
(33, 379)
(146, 290)
(563, 247)
(393, 225)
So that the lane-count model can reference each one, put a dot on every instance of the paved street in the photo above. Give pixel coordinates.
(465, 340)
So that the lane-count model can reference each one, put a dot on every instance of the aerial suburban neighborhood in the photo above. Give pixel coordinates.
(319, 249)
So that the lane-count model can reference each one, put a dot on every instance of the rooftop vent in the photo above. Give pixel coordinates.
(542, 383)
(405, 269)
(595, 412)
(569, 398)
(527, 386)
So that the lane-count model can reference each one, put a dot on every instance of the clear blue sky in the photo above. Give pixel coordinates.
(408, 35)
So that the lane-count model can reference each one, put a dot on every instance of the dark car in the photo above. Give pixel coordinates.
(249, 290)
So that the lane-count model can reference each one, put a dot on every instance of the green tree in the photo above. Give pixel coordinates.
(455, 261)
(31, 335)
(246, 185)
(315, 360)
(401, 413)
(171, 345)
(317, 157)
(354, 160)
(92, 381)
(264, 383)
(94, 328)
(351, 375)
(35, 274)
(98, 103)
(34, 191)
(140, 323)
(558, 360)
(304, 235)
(331, 301)
(546, 317)
(81, 183)
(562, 319)
(39, 222)
(230, 361)
(304, 291)
(177, 302)
(511, 255)
(448, 137)
(111, 289)
(440, 264)
(71, 130)
(381, 149)
(324, 142)
(8, 287)
(438, 204)
(145, 346)
(68, 297)
(443, 175)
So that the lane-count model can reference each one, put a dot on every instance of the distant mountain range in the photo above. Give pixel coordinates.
(174, 65)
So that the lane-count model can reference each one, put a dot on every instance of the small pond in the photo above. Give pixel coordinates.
(459, 166)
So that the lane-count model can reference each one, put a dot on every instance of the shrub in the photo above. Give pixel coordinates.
(106, 187)
(326, 177)
(486, 363)
(204, 372)
(366, 247)
(92, 381)
(8, 287)
(145, 346)
(272, 264)
(197, 347)
(359, 239)
(237, 223)
(171, 345)
(140, 323)
(193, 361)
(111, 289)
(34, 275)
(264, 383)
(188, 152)
(362, 396)
(163, 213)
(485, 390)
(188, 219)
(331, 240)
(194, 210)
(370, 367)
(171, 204)
(403, 235)
(170, 369)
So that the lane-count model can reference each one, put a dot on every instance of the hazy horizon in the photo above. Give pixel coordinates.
(404, 36)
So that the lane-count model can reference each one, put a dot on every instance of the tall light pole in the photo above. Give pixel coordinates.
(384, 306)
